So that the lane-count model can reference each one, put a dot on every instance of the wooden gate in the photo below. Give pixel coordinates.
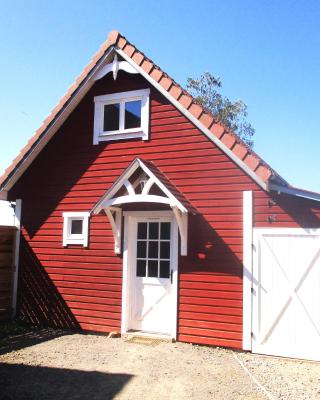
(286, 292)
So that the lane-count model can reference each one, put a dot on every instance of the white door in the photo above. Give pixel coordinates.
(152, 268)
(286, 293)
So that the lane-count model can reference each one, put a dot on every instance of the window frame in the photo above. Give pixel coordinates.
(121, 98)
(68, 237)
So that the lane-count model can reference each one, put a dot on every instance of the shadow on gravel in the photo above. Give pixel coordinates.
(31, 382)
(11, 342)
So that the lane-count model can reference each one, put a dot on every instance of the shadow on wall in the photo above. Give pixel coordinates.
(306, 213)
(209, 252)
(30, 382)
(39, 300)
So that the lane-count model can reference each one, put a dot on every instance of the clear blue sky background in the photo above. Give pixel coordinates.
(266, 53)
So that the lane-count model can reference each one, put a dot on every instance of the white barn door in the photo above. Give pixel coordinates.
(286, 292)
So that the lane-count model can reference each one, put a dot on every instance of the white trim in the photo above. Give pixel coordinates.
(247, 269)
(7, 213)
(195, 121)
(147, 186)
(129, 217)
(16, 256)
(287, 231)
(294, 192)
(174, 200)
(116, 226)
(137, 198)
(114, 67)
(69, 238)
(182, 220)
(129, 187)
(121, 133)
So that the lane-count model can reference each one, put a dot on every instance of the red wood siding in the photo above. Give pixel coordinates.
(79, 287)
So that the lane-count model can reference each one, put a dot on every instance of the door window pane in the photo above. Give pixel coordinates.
(141, 268)
(132, 114)
(111, 117)
(153, 269)
(165, 230)
(141, 249)
(153, 230)
(165, 250)
(76, 226)
(142, 230)
(153, 249)
(164, 269)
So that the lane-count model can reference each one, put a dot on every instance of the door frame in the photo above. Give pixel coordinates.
(129, 218)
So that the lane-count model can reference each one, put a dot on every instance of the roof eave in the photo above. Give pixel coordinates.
(273, 187)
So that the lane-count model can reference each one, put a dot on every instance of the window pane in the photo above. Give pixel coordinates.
(132, 114)
(76, 226)
(153, 230)
(141, 249)
(153, 250)
(111, 117)
(153, 269)
(142, 230)
(141, 268)
(164, 269)
(165, 250)
(165, 230)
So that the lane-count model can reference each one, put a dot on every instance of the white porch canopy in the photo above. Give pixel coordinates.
(135, 185)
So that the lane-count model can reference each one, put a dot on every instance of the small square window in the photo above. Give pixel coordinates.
(121, 116)
(75, 228)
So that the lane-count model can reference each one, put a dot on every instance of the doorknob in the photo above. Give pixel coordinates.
(171, 273)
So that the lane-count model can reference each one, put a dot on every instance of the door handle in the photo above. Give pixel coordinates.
(171, 274)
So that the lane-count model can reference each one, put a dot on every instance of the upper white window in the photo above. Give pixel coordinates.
(121, 116)
(75, 228)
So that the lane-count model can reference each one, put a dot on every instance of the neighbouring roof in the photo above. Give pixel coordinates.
(227, 140)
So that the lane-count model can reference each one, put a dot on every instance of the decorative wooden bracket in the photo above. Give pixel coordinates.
(114, 67)
(182, 221)
(114, 215)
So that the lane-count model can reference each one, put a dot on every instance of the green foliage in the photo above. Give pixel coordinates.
(231, 114)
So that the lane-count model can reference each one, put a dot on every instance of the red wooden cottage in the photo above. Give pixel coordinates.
(141, 213)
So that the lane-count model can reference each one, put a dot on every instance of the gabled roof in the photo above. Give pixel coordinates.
(227, 141)
(170, 194)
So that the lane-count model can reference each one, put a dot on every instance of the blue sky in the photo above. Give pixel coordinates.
(265, 52)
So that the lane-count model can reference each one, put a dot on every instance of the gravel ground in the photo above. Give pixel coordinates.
(57, 366)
